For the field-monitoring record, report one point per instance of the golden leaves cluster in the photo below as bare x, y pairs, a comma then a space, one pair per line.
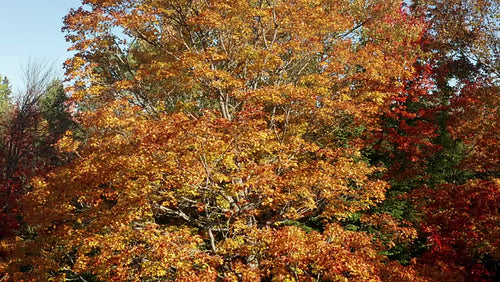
221, 124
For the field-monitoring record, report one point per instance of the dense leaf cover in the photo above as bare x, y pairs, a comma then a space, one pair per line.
280, 140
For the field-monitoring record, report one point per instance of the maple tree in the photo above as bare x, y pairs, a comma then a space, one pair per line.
441, 143
460, 210
216, 129
26, 141
285, 140
463, 35
465, 44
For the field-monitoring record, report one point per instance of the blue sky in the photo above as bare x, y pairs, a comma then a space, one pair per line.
31, 29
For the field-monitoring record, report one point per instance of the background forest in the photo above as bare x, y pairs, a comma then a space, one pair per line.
258, 140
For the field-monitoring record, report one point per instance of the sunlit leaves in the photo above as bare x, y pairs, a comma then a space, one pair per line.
223, 141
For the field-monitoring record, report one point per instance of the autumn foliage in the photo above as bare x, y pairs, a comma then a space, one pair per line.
262, 140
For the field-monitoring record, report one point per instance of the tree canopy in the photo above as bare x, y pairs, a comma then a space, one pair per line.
254, 140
